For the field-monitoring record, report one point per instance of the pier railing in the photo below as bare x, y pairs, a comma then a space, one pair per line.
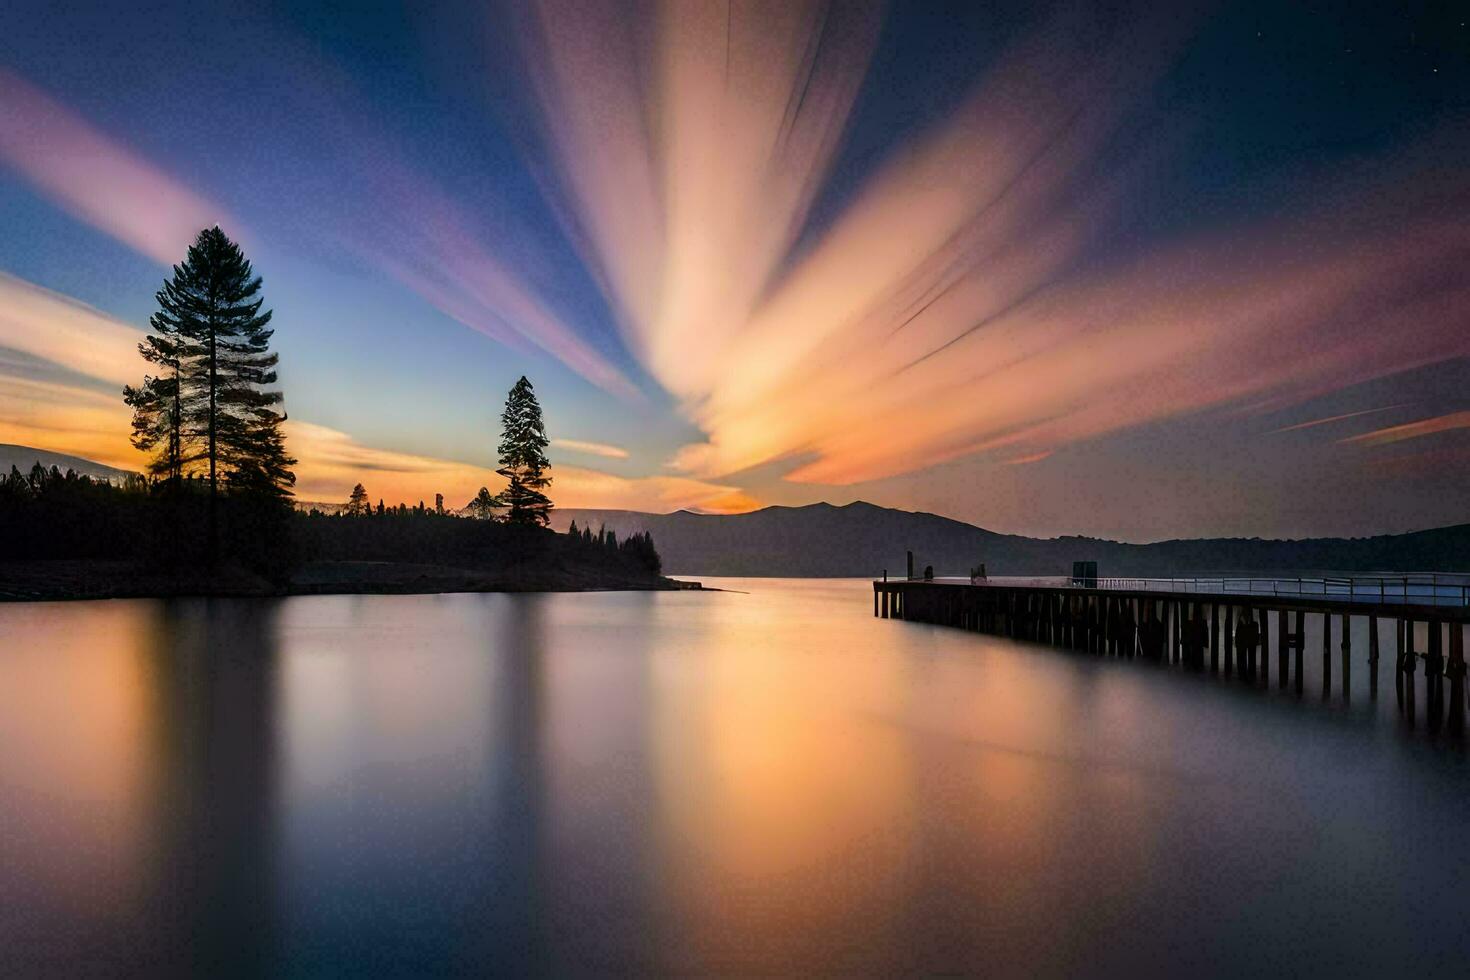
1423, 589
1413, 588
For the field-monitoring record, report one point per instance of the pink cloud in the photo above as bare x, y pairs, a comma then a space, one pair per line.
96, 178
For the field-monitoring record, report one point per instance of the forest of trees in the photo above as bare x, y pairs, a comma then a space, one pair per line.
218, 481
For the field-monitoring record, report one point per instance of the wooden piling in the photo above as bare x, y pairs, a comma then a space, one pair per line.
1281, 647
1347, 649
1214, 637
1372, 656
1410, 662
1434, 676
1455, 675
1263, 638
1300, 646
1229, 640
1326, 654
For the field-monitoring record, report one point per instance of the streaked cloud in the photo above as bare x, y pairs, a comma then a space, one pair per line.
66, 416
687, 144
591, 448
67, 419
1413, 430
1029, 458
413, 231
420, 237
59, 329
1333, 418
955, 306
96, 178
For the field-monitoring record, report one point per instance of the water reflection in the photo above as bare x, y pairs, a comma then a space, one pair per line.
679, 782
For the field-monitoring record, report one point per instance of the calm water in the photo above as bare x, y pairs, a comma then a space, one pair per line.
771, 781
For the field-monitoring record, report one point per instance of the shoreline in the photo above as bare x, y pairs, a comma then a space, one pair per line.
78, 580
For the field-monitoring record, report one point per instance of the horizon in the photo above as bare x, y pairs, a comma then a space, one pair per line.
1128, 276
301, 504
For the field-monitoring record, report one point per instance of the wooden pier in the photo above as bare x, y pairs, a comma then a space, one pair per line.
1224, 632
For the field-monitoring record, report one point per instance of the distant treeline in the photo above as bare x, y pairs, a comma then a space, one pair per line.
48, 514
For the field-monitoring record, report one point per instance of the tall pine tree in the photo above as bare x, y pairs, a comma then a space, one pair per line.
210, 411
523, 460
212, 333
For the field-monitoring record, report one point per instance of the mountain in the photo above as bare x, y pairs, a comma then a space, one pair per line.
861, 539
24, 457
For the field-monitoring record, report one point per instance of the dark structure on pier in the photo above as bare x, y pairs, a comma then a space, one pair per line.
1221, 631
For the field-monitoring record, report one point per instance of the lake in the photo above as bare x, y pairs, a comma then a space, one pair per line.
759, 781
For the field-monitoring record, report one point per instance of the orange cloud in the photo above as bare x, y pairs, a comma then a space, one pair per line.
1032, 458
67, 419
332, 461
57, 328
1413, 430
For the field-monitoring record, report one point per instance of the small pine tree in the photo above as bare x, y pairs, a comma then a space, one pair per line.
523, 460
357, 502
483, 507
573, 530
439, 503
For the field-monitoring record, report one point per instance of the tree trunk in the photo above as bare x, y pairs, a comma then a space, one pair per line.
213, 482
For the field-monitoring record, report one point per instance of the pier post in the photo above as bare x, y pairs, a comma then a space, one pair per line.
1372, 656
1398, 667
1434, 676
1409, 663
1301, 649
1281, 648
1229, 643
1263, 636
1347, 650
1456, 675
1214, 637
1326, 654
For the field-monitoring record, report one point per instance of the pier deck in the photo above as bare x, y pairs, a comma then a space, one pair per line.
1223, 625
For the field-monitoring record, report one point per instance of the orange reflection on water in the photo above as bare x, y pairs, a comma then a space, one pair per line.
75, 775
781, 817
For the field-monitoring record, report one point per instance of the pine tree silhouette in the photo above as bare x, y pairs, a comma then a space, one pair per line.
523, 459
357, 501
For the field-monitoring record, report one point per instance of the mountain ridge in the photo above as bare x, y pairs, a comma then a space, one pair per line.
864, 539
24, 457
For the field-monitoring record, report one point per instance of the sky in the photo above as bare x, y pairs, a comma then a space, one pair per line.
1051, 269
